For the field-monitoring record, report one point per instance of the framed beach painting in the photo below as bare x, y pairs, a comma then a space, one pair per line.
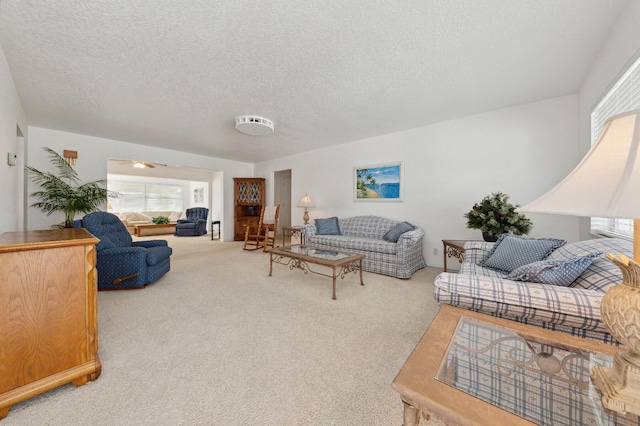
379, 182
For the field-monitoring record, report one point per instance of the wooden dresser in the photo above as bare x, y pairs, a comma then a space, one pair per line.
48, 312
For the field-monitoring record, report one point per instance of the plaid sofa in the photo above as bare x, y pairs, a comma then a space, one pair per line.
574, 309
363, 234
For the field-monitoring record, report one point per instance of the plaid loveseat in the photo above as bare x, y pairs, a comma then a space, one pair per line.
574, 309
363, 234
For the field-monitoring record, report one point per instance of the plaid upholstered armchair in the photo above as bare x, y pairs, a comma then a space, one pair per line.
121, 262
195, 224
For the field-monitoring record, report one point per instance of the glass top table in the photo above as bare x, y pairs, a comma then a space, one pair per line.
471, 368
301, 256
543, 383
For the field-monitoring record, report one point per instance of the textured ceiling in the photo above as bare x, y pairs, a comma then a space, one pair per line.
176, 74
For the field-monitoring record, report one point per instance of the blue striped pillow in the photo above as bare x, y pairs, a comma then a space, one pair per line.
328, 226
560, 272
511, 252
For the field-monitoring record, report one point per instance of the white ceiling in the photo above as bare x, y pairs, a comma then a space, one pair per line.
176, 74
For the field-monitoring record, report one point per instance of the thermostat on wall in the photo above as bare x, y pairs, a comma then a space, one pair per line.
11, 159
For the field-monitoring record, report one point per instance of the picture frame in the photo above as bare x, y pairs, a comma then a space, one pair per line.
198, 195
379, 182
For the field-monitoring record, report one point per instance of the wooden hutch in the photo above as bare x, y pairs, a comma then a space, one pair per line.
248, 198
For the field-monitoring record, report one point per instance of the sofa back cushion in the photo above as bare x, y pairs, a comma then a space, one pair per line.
602, 274
366, 226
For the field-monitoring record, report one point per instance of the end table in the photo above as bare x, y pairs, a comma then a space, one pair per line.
292, 231
453, 248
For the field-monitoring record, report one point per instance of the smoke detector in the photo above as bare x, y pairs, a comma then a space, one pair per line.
254, 125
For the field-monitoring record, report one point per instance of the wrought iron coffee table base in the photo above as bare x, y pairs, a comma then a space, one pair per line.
340, 268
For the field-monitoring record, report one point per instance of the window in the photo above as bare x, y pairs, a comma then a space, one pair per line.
624, 96
140, 196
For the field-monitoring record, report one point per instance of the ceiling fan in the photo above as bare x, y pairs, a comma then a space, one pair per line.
142, 164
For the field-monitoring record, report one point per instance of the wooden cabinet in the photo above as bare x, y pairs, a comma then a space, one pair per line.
248, 198
48, 316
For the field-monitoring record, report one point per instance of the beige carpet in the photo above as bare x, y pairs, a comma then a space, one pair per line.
217, 341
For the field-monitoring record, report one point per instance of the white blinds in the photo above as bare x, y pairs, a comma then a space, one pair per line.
139, 196
624, 96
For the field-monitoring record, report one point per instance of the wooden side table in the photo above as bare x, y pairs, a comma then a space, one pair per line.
425, 394
292, 231
453, 248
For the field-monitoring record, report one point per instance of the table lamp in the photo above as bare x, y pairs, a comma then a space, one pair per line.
606, 183
305, 202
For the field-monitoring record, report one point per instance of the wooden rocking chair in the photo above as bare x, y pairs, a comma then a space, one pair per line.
265, 235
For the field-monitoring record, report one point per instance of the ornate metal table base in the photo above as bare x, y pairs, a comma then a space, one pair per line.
351, 263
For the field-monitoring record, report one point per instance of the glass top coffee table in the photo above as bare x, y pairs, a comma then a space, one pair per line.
471, 368
301, 256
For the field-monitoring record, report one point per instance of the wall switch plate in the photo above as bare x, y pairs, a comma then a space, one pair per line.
11, 159
435, 251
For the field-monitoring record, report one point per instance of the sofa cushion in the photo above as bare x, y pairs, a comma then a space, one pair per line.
512, 251
552, 271
395, 232
328, 226
602, 274
354, 243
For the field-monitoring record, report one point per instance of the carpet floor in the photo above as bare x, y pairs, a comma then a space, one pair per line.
216, 341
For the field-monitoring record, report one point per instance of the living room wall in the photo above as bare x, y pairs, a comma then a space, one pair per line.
12, 121
93, 153
522, 151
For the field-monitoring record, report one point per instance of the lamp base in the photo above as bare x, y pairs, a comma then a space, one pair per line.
306, 216
620, 309
618, 385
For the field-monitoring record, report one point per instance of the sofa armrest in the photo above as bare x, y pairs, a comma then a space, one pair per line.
475, 251
308, 230
545, 297
149, 243
411, 237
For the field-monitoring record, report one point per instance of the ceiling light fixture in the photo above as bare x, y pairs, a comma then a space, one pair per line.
254, 125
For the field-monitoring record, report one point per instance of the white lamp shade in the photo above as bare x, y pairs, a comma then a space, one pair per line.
305, 202
606, 183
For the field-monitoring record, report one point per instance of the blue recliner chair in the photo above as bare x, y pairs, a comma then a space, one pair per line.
121, 262
194, 225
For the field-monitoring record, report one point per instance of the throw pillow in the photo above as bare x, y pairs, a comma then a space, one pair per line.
328, 226
512, 251
394, 233
560, 272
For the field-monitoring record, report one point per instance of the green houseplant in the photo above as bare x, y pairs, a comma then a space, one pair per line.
495, 215
160, 220
62, 192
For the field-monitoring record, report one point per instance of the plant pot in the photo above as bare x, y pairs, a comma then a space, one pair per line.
490, 238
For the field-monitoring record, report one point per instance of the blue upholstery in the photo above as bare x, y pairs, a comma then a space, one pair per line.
195, 224
118, 256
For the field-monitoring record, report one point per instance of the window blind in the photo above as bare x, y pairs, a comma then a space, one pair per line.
139, 196
624, 96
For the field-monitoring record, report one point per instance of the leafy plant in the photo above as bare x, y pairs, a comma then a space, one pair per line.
495, 215
160, 220
64, 193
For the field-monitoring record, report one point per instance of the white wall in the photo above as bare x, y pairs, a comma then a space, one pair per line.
93, 153
522, 151
11, 177
621, 49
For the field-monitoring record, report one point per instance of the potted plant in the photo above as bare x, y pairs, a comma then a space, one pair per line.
64, 193
495, 215
160, 220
